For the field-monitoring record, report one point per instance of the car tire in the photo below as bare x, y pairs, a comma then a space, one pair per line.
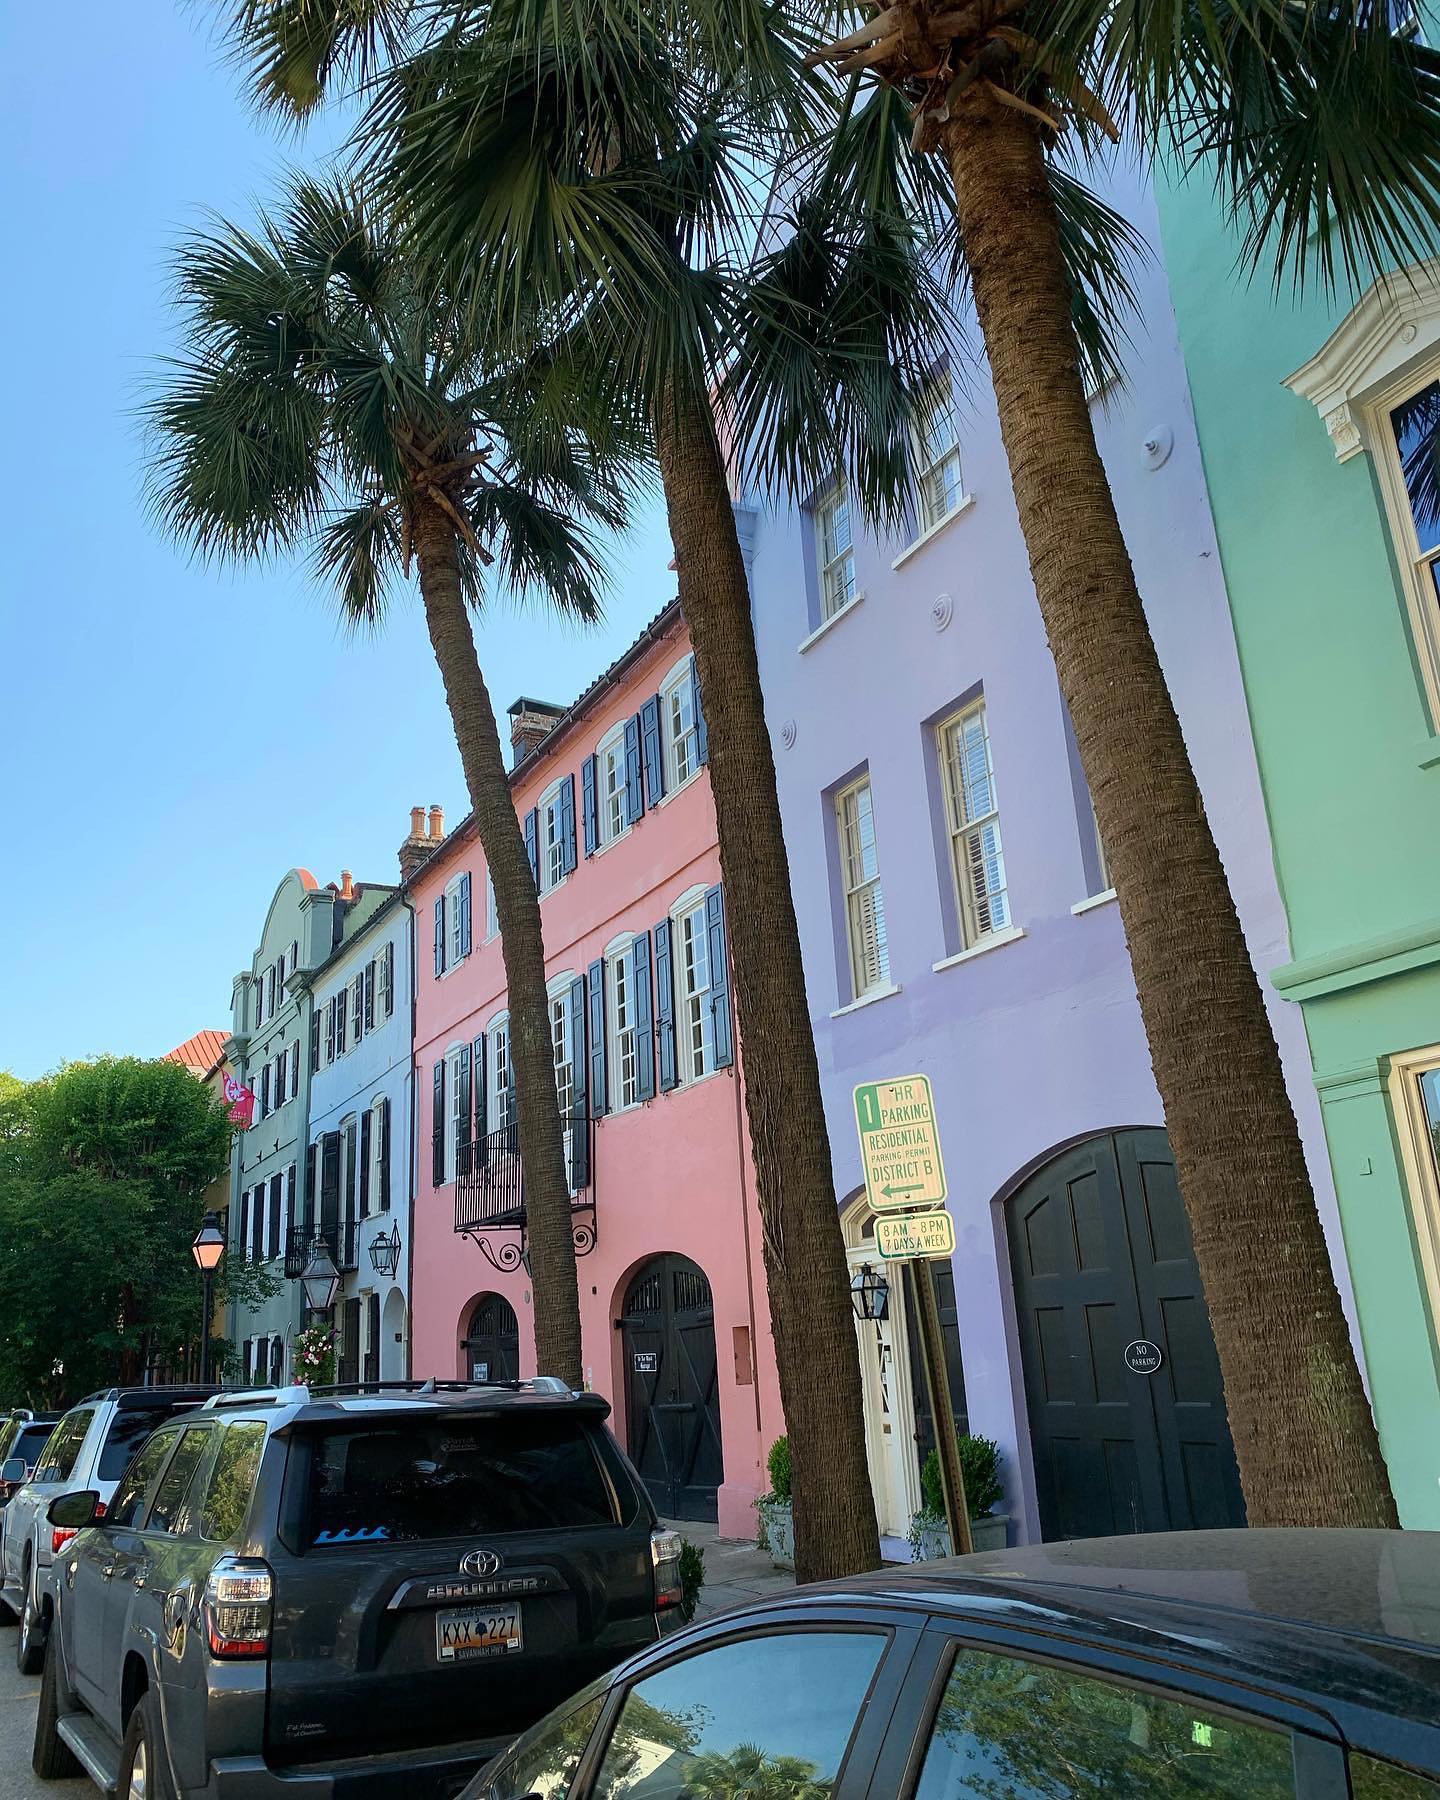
30, 1645
51, 1759
143, 1754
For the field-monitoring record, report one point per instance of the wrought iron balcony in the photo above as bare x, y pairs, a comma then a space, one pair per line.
490, 1192
339, 1240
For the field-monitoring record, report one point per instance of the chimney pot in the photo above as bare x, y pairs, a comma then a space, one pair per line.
417, 846
417, 821
437, 823
347, 886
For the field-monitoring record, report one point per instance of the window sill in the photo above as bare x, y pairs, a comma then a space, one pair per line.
1010, 935
1430, 753
673, 793
963, 504
1102, 899
554, 888
866, 1000
610, 843
828, 624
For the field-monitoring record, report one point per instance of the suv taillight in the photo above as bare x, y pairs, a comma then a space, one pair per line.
237, 1607
665, 1548
60, 1536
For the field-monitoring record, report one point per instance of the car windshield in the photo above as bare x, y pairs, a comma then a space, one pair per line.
437, 1478
128, 1430
31, 1442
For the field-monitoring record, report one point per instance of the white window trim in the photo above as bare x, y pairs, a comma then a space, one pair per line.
497, 1023
1422, 1187
615, 951
691, 901
678, 676
942, 387
868, 999
453, 956
836, 495
452, 1063
996, 941
1103, 898
825, 625
548, 801
613, 739
962, 505
492, 909
376, 1159
881, 988
973, 938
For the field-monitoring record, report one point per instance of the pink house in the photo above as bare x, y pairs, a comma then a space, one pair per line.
615, 798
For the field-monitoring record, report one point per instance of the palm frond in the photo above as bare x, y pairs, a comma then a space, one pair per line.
358, 552
295, 53
539, 550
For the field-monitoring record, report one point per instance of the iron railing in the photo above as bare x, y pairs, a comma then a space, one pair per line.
489, 1188
339, 1240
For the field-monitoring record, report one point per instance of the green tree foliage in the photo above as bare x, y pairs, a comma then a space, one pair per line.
103, 1170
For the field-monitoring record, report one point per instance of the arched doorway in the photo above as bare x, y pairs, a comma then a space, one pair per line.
392, 1337
1102, 1264
672, 1386
491, 1346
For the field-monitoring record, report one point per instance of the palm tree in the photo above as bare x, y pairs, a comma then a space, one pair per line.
1320, 129
628, 179
325, 400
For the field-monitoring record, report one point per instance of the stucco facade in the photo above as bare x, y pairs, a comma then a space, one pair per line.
616, 801
911, 695
358, 1161
1334, 608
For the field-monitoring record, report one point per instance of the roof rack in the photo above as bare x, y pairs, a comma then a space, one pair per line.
261, 1396
535, 1384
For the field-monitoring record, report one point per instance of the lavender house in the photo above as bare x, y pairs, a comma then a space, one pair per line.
957, 921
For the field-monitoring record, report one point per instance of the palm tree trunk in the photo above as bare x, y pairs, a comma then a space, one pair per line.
1304, 1436
542, 1153
834, 1509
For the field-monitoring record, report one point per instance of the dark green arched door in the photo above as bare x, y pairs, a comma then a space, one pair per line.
1122, 1383
492, 1344
672, 1390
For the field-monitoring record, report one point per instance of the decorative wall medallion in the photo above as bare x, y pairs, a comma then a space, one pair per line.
942, 611
788, 734
1155, 451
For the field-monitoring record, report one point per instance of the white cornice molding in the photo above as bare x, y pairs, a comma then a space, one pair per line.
1395, 320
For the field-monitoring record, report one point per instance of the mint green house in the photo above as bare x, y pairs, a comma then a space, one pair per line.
1316, 421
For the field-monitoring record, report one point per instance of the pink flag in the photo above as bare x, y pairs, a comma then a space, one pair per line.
242, 1102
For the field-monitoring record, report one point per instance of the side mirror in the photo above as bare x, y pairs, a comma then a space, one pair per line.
74, 1511
13, 1471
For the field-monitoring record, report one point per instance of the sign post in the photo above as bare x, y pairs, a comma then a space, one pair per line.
900, 1150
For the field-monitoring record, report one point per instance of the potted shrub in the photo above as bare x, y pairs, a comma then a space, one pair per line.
929, 1535
776, 1531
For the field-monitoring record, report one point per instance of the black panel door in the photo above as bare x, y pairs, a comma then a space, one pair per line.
1101, 1258
492, 1350
672, 1387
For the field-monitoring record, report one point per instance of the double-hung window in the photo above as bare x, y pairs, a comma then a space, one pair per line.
459, 1109
610, 758
502, 1092
937, 453
679, 725
834, 551
492, 911
973, 814
357, 1008
1412, 443
1415, 1100
563, 1054
624, 1054
552, 839
454, 924
864, 899
694, 1027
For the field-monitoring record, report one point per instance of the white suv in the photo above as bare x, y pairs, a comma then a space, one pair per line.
89, 1448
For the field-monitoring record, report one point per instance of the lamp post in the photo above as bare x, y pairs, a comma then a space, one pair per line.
208, 1248
869, 1294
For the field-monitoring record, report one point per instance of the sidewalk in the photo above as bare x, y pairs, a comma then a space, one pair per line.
735, 1573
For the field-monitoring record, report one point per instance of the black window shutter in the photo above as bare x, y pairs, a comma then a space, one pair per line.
722, 1030
312, 1156
665, 1006
289, 1200
265, 1091
340, 1000
644, 1025
590, 803
580, 1111
596, 1001
277, 1208
257, 1223
295, 1068
440, 936
314, 1041
370, 996
294, 955
389, 979
464, 1101
372, 1338
357, 1007
385, 1154
702, 736
330, 1185
437, 1125
532, 845
352, 1162
244, 1223
365, 1164
634, 787
480, 1152
330, 1029
653, 748
567, 822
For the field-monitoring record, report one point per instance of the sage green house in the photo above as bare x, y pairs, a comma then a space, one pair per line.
1319, 423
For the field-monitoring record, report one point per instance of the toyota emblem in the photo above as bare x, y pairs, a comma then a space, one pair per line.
480, 1562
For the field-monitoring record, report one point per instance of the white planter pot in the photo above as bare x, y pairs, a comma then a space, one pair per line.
779, 1525
934, 1542
985, 1534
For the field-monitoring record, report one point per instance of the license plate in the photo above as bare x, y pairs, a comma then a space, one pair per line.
468, 1633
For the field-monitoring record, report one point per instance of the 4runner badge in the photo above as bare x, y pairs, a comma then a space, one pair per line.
480, 1562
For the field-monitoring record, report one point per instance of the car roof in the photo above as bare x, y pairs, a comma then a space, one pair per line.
297, 1405
140, 1398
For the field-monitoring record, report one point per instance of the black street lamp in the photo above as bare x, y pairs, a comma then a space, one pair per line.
870, 1294
320, 1279
208, 1249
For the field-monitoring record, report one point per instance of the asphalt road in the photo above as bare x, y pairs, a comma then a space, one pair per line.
18, 1694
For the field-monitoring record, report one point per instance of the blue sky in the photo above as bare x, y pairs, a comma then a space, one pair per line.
173, 738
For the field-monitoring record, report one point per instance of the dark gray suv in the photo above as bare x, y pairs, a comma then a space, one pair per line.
346, 1591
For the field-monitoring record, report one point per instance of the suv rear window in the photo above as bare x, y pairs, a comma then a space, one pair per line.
442, 1478
30, 1442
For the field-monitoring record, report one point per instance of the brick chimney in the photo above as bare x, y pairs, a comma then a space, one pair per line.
437, 825
417, 846
530, 722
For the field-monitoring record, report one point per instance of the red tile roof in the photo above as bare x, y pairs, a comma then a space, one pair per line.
200, 1052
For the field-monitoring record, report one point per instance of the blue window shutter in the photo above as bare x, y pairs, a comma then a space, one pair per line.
644, 1020
532, 845
567, 822
634, 789
665, 1007
437, 1125
580, 1115
653, 749
702, 736
463, 1102
596, 1001
590, 802
440, 936
465, 913
723, 1030
480, 1155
